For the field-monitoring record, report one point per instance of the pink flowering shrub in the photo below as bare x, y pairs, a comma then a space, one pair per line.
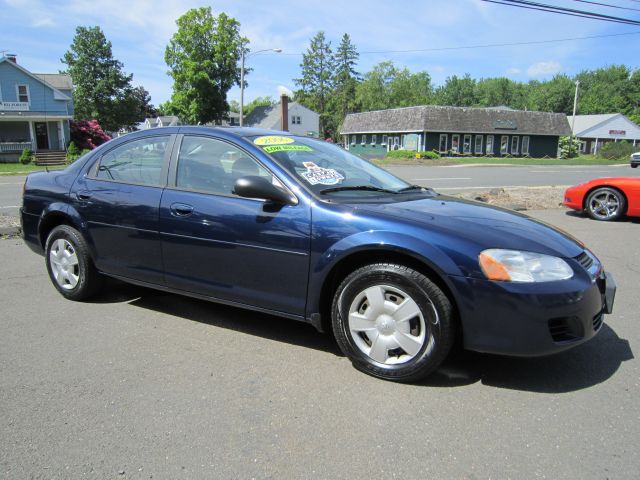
88, 134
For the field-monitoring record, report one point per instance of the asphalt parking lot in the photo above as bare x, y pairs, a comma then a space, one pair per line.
143, 384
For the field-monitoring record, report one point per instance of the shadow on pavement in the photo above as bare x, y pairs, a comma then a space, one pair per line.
582, 367
625, 219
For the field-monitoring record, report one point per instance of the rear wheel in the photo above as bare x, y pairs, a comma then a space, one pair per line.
605, 204
69, 265
392, 322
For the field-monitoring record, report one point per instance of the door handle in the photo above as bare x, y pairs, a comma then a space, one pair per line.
83, 195
181, 209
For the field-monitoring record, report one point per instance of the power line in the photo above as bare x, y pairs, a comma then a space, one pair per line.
608, 5
488, 45
563, 11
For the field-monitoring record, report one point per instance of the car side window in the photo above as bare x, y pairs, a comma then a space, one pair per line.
139, 161
213, 166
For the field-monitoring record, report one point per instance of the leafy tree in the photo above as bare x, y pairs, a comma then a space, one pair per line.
316, 82
555, 95
88, 134
266, 101
373, 93
102, 90
457, 92
203, 58
409, 89
493, 92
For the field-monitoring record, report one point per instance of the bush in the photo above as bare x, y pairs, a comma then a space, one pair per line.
567, 150
88, 134
26, 157
616, 150
431, 155
401, 154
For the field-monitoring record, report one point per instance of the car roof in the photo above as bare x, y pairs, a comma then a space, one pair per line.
235, 131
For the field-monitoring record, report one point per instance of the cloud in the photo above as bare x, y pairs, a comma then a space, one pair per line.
513, 71
542, 69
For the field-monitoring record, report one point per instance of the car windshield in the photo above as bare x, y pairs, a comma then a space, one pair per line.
329, 170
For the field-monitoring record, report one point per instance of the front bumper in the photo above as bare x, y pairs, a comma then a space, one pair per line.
533, 319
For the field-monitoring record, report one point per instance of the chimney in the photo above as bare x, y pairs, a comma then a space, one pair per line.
11, 57
284, 112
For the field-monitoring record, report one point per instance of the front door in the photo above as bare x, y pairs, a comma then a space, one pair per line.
223, 246
42, 136
119, 201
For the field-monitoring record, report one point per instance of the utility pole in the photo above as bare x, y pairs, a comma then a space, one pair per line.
573, 119
242, 57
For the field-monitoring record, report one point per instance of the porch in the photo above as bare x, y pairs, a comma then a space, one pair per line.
38, 135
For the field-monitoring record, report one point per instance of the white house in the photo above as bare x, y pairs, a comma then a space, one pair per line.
594, 130
288, 116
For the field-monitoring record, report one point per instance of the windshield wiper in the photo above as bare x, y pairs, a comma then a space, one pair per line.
367, 188
410, 188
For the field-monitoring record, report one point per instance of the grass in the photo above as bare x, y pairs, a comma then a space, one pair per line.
20, 169
581, 160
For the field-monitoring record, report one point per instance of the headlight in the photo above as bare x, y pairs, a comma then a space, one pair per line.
517, 266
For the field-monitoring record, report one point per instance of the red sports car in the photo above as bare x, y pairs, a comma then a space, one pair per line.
606, 198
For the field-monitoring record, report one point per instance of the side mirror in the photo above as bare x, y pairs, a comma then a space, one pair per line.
252, 186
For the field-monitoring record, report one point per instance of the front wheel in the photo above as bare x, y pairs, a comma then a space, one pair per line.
69, 265
392, 322
605, 204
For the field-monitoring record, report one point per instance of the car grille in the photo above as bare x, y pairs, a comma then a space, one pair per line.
597, 322
565, 329
585, 260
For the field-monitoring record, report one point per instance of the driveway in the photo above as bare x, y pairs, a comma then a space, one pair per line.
144, 384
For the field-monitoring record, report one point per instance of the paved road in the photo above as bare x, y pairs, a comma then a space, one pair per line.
10, 194
155, 385
456, 179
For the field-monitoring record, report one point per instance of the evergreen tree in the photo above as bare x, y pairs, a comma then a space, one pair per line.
345, 80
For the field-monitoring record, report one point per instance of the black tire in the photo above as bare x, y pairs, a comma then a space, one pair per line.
76, 281
605, 204
634, 165
397, 282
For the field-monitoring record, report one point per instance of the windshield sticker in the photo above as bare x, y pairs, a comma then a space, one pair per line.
318, 175
273, 140
287, 148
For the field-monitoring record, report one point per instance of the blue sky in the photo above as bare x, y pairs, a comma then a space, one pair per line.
40, 31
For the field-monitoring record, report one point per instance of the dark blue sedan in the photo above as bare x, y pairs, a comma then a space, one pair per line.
300, 228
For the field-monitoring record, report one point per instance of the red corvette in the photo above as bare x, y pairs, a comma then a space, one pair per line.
606, 198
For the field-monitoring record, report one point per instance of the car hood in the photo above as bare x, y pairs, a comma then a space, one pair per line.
484, 225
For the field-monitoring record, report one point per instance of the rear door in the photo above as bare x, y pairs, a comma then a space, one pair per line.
217, 244
119, 199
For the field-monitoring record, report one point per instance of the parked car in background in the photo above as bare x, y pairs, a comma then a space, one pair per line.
606, 198
300, 228
635, 159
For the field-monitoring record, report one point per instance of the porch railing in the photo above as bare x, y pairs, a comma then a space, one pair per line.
13, 147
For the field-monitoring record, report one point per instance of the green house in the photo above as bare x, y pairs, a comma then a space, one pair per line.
455, 131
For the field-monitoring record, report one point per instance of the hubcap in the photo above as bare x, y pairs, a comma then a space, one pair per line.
604, 205
64, 264
387, 325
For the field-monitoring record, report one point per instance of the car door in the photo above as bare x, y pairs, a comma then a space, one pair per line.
119, 199
235, 249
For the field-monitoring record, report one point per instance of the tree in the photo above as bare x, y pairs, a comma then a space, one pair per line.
102, 90
203, 58
266, 101
457, 92
555, 95
316, 82
87, 135
345, 80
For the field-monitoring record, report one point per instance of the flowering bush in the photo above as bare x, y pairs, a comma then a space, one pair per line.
88, 134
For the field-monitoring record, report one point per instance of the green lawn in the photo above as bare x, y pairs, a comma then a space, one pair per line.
20, 169
581, 160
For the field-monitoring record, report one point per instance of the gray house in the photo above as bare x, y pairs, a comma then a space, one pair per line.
497, 131
594, 130
288, 116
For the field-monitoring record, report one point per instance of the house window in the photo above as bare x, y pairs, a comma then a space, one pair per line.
384, 140
444, 139
489, 144
353, 139
455, 143
525, 146
296, 120
364, 140
514, 144
504, 145
467, 144
374, 139
23, 93
478, 148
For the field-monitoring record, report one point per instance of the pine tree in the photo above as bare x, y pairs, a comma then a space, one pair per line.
345, 79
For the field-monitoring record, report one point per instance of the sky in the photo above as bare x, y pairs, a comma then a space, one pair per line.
39, 32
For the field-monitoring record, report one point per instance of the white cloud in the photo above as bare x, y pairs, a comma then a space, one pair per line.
541, 69
282, 90
513, 71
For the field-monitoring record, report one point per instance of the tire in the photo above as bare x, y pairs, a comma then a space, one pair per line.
70, 267
605, 204
408, 331
634, 165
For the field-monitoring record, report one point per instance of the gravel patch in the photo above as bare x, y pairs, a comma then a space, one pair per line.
9, 226
532, 198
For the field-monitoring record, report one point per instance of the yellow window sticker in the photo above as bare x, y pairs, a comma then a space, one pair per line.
273, 140
287, 148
